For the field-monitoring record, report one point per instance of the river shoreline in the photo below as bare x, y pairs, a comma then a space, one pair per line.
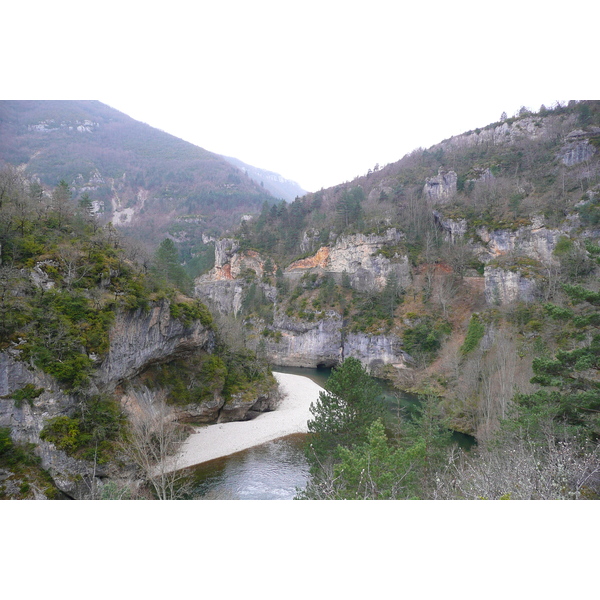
223, 439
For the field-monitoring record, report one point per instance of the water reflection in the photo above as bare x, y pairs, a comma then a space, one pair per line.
272, 471
319, 376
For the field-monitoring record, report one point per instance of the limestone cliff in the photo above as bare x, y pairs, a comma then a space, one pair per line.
577, 147
320, 342
511, 132
139, 340
306, 344
442, 187
503, 286
358, 256
26, 421
535, 241
326, 343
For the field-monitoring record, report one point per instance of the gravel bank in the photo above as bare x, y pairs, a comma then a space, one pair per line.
216, 441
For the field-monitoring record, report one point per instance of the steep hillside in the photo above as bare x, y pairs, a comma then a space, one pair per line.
100, 356
434, 271
279, 187
139, 178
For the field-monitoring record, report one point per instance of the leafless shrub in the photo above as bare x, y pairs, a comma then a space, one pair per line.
153, 443
520, 468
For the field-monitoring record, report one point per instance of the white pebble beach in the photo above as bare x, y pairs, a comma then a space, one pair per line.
222, 439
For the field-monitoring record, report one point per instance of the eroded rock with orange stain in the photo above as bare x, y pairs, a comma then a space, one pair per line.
320, 259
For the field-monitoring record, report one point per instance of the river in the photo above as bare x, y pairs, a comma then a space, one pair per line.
276, 470
272, 471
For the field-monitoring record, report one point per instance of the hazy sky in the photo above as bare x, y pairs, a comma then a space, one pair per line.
318, 91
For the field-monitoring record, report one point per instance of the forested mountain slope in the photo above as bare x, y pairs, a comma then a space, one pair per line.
144, 180
101, 354
439, 271
466, 274
279, 187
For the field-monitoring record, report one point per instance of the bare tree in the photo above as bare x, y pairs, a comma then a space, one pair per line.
459, 255
153, 443
74, 267
518, 468
500, 379
446, 287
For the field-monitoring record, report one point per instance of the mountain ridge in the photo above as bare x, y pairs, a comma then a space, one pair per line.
136, 176
276, 184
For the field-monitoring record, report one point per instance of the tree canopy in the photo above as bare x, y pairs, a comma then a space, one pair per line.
343, 413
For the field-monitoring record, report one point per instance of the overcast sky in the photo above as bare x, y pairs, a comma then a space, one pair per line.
318, 91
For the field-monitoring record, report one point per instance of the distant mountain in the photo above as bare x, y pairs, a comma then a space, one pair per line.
278, 186
140, 178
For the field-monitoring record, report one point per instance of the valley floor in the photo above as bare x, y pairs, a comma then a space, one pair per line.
222, 439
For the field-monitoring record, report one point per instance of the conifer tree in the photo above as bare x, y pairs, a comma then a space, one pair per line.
570, 379
343, 413
168, 269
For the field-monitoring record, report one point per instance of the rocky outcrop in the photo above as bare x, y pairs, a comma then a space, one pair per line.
511, 132
225, 249
223, 296
454, 229
141, 338
577, 148
325, 343
139, 398
367, 262
319, 261
223, 286
138, 340
503, 286
360, 258
442, 187
244, 407
39, 277
310, 240
75, 478
376, 351
306, 344
534, 241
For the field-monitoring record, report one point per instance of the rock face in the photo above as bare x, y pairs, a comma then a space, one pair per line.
534, 244
73, 477
138, 340
506, 133
244, 408
141, 338
310, 239
321, 342
454, 229
442, 187
223, 287
376, 351
504, 286
305, 344
577, 148
358, 256
534, 241
325, 344
39, 277
224, 296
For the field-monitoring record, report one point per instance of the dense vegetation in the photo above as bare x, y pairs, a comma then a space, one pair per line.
117, 164
545, 448
63, 279
521, 376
